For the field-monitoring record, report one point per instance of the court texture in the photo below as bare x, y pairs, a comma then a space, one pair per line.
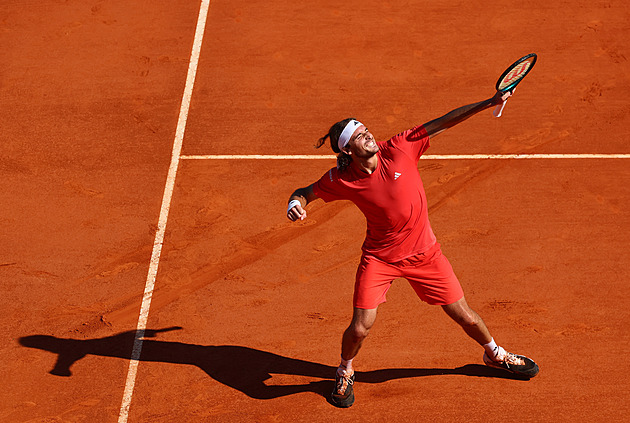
148, 272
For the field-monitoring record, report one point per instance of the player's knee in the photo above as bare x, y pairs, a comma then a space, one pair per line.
358, 332
461, 313
467, 319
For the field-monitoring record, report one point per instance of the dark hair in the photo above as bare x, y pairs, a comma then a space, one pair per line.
343, 160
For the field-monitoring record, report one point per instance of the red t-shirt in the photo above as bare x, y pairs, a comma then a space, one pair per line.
392, 198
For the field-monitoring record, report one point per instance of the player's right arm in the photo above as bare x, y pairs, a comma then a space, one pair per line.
298, 201
460, 114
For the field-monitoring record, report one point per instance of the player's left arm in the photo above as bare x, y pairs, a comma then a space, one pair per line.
298, 201
452, 118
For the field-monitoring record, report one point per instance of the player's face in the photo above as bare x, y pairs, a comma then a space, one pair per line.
362, 143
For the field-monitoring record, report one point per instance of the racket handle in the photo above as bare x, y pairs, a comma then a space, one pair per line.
498, 110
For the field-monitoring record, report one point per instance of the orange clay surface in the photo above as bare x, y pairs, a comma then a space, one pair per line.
249, 308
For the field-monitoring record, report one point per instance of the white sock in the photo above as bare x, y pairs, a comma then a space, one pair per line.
345, 366
492, 349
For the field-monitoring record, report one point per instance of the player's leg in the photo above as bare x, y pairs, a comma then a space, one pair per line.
355, 334
373, 280
469, 320
353, 337
433, 279
494, 356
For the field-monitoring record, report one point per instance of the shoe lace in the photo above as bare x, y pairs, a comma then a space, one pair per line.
512, 359
343, 383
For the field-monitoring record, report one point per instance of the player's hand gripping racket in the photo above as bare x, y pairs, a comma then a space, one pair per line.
512, 76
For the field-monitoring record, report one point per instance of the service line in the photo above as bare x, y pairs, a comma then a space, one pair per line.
425, 157
166, 203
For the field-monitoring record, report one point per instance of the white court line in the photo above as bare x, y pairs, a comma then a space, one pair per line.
166, 203
425, 157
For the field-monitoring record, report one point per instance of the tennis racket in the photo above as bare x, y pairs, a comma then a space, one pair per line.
512, 76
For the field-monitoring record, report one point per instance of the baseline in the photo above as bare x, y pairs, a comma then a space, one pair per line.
425, 157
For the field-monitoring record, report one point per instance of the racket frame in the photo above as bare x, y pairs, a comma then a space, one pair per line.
511, 87
511, 67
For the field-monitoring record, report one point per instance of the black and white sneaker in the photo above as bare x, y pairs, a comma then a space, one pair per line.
343, 394
517, 364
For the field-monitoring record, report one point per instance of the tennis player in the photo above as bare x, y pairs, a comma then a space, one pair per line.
382, 179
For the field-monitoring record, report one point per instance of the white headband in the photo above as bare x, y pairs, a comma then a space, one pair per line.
347, 132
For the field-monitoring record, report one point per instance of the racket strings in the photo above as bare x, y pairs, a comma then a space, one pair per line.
515, 74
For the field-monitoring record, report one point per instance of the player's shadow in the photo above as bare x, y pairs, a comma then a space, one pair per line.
242, 368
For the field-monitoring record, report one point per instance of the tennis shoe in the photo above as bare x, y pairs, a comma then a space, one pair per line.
343, 394
517, 364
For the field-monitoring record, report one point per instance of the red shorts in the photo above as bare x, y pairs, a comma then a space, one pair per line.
429, 273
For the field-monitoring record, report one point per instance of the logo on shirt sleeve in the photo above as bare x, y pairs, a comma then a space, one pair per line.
397, 175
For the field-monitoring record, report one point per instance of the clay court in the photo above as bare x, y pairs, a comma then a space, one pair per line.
243, 309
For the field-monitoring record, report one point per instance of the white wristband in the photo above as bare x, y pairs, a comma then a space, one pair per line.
292, 204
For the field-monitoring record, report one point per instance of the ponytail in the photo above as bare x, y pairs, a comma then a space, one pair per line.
343, 159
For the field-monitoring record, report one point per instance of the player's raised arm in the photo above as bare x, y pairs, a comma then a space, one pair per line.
298, 201
460, 114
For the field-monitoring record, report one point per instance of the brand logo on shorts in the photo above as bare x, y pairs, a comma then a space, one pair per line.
396, 175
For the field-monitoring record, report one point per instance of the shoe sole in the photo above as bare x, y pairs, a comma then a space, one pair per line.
343, 403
